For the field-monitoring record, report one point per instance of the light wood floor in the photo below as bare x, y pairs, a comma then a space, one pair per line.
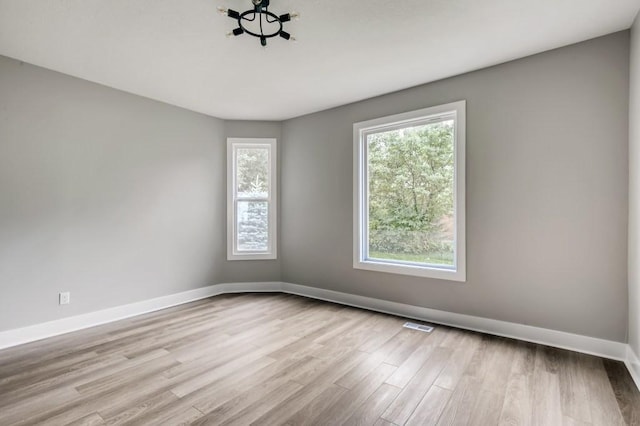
278, 359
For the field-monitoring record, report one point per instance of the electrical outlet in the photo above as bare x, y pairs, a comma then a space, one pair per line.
65, 298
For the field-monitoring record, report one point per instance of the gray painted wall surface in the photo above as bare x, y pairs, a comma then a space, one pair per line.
634, 191
546, 193
117, 198
110, 196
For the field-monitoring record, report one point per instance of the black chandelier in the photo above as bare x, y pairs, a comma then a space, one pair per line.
254, 21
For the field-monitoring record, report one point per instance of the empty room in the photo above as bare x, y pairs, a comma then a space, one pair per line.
287, 212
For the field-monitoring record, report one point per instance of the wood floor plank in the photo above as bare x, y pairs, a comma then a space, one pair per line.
570, 421
271, 359
113, 365
233, 406
30, 407
335, 331
342, 409
128, 415
153, 367
488, 408
524, 359
369, 412
217, 393
46, 371
625, 391
223, 344
334, 368
315, 386
311, 411
383, 422
603, 403
398, 355
92, 419
549, 359
411, 365
281, 413
299, 348
546, 398
178, 413
108, 401
459, 408
202, 378
399, 341
517, 406
402, 407
80, 373
457, 364
430, 408
386, 331
574, 392
263, 405
500, 366
354, 376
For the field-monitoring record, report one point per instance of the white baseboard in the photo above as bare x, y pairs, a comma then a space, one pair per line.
633, 365
558, 339
589, 345
40, 331
252, 287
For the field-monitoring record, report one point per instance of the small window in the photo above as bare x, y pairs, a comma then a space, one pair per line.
409, 199
251, 199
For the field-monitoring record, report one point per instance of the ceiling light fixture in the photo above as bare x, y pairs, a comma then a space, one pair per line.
259, 22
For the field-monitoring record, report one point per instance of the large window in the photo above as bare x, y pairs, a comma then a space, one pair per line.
251, 199
409, 200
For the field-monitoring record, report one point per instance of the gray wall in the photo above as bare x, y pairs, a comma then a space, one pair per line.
110, 196
117, 198
546, 193
634, 192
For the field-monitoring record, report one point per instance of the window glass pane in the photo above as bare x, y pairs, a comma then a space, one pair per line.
252, 226
411, 194
252, 171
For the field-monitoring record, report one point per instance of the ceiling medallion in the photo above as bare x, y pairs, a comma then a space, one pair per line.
259, 22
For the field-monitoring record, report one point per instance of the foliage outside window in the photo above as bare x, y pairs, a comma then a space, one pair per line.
409, 193
251, 212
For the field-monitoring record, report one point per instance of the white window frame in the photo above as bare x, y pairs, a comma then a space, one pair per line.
233, 144
360, 195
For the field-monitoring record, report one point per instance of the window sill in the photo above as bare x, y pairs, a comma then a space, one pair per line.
253, 256
413, 270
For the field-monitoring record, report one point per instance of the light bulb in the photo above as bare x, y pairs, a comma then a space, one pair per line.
289, 16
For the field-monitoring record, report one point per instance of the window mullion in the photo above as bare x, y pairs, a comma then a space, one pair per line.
252, 198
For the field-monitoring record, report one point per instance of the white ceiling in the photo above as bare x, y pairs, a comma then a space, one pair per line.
176, 51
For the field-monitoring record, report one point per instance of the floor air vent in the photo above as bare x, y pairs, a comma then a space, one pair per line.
419, 327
